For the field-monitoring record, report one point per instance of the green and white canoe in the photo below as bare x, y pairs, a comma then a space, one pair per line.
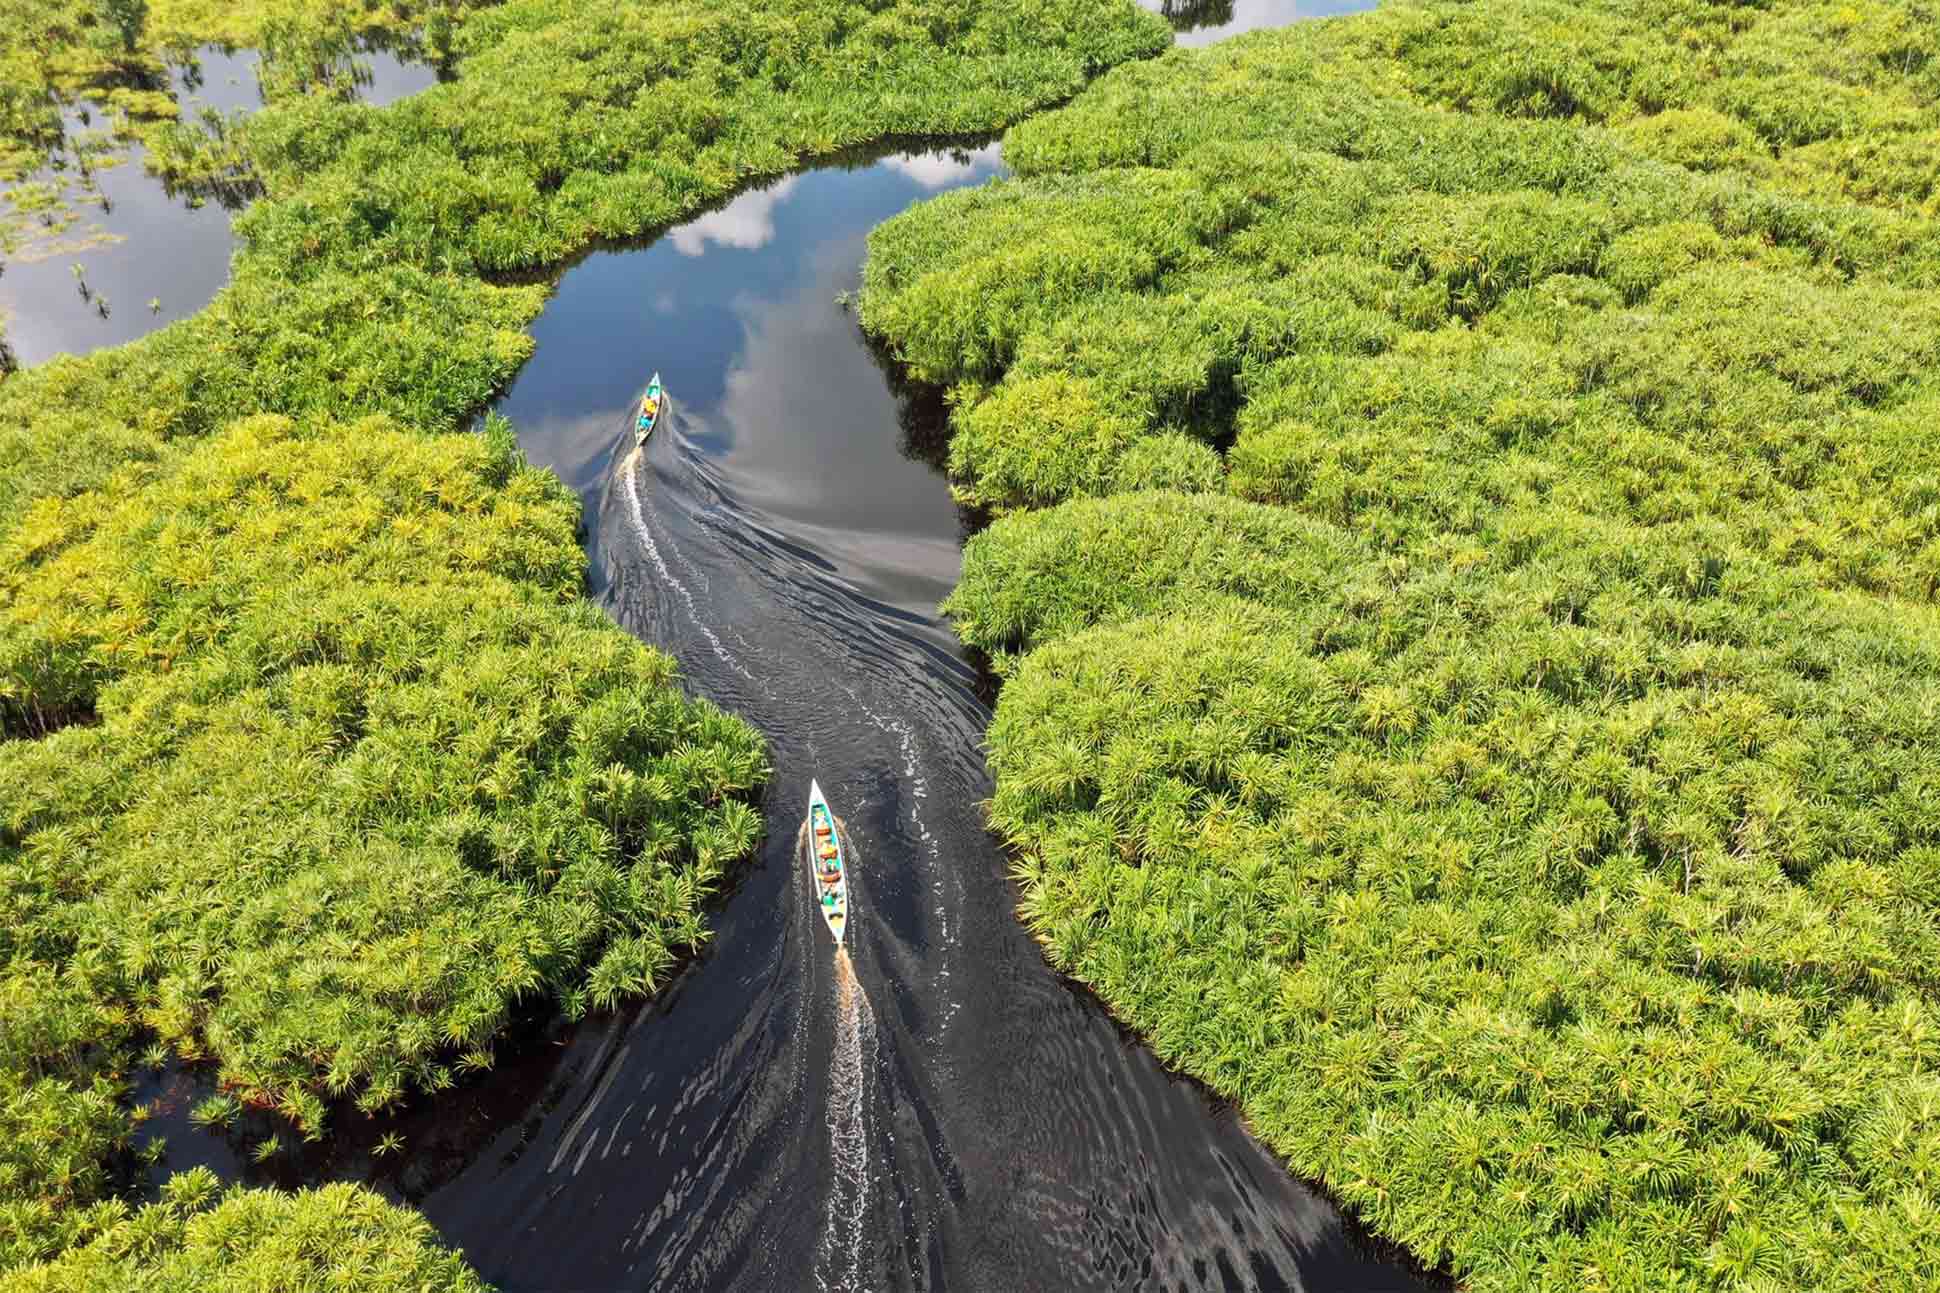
652, 405
828, 870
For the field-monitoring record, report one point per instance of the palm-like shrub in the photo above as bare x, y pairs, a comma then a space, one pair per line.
255, 1241
1518, 797
568, 127
1034, 577
367, 772
1545, 919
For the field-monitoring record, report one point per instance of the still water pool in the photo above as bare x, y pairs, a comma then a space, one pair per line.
149, 256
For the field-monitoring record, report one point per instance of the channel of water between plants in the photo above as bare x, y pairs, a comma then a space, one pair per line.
938, 1109
949, 1113
956, 1116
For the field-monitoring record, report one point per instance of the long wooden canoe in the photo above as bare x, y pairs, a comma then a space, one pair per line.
828, 869
652, 404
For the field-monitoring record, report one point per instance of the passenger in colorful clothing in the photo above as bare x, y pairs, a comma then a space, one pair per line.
828, 868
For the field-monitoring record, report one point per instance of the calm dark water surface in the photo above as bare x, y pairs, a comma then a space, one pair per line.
149, 245
955, 1115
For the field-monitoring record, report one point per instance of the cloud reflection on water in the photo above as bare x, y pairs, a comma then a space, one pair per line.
945, 168
148, 245
747, 222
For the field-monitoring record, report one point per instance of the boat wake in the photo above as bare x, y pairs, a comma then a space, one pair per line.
838, 1267
630, 471
785, 537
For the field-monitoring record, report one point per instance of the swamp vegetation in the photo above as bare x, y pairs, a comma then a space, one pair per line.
1465, 579
313, 761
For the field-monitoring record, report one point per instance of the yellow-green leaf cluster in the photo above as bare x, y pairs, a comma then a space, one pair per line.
313, 762
1516, 791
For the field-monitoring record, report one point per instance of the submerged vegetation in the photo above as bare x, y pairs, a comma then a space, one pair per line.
1466, 584
80, 82
313, 763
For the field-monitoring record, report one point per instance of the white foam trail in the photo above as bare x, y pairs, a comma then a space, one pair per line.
592, 1106
632, 473
839, 1264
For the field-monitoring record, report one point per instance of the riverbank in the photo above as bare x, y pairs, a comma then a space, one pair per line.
315, 760
1466, 604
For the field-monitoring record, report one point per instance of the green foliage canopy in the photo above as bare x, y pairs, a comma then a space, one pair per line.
365, 771
312, 761
1516, 791
255, 1241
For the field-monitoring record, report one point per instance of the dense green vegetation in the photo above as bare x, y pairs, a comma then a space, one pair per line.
312, 762
255, 1240
321, 765
359, 777
1465, 578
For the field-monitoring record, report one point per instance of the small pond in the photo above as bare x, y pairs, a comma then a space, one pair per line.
150, 256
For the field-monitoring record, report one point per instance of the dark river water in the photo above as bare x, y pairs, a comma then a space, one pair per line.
953, 1115
933, 1108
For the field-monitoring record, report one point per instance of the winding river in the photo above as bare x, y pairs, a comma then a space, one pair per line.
936, 1108
947, 1113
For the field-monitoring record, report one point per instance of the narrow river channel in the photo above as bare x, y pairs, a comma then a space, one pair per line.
954, 1115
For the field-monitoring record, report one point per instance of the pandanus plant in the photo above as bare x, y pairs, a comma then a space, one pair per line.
1464, 813
342, 715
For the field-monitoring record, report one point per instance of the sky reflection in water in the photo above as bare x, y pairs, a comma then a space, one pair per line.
738, 312
1206, 21
168, 252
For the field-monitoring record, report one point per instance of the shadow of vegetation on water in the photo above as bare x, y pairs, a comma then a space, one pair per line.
406, 1153
140, 211
923, 416
1189, 15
